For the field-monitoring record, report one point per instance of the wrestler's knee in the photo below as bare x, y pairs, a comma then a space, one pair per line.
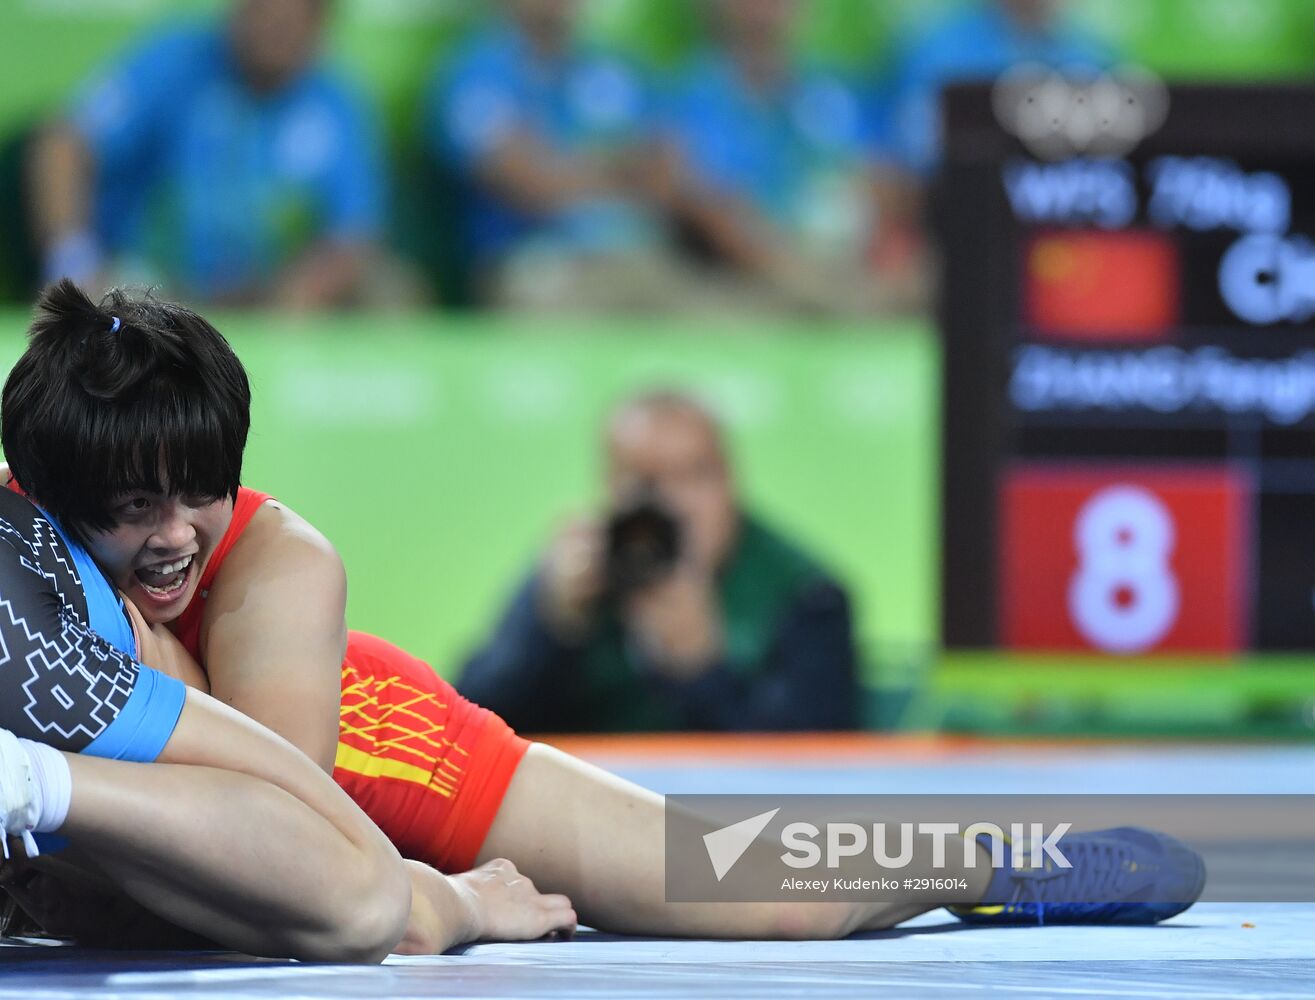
368, 919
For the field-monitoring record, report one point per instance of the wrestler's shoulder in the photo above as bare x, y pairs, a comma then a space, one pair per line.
277, 532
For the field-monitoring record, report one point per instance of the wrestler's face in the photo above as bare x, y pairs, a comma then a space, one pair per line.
159, 548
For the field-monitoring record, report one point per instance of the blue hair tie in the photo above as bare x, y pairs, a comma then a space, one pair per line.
114, 327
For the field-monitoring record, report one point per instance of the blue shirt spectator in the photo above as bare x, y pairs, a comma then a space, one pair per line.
774, 179
767, 146
568, 111
215, 164
975, 44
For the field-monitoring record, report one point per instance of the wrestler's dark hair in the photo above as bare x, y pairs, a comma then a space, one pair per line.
135, 393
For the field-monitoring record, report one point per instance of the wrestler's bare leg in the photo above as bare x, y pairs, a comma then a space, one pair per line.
237, 836
576, 829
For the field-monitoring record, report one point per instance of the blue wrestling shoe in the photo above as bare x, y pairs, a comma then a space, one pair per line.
1125, 875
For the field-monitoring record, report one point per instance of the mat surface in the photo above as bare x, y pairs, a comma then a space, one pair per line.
1212, 950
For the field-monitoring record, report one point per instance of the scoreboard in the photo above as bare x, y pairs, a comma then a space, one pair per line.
1129, 381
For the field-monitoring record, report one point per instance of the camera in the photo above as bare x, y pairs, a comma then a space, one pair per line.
643, 543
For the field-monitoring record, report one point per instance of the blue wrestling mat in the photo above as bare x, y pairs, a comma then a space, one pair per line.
1212, 950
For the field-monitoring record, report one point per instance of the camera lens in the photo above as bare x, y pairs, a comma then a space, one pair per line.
643, 544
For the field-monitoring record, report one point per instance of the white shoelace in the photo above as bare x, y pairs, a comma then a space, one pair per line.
16, 795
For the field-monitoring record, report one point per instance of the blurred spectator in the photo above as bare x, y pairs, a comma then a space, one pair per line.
777, 167
977, 43
218, 160
676, 609
550, 141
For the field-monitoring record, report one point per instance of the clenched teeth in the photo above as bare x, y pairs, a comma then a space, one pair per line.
172, 567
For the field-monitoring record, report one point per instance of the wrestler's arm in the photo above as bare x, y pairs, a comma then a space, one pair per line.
275, 631
273, 643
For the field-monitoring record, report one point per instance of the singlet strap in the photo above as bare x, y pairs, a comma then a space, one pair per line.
244, 509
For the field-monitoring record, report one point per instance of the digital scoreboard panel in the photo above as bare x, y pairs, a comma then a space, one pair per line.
1129, 388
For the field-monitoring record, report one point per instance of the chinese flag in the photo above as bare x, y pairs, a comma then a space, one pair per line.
1119, 286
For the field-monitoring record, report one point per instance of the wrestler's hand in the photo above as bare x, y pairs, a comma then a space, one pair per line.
504, 905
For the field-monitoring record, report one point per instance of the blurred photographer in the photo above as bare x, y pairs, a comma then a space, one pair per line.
675, 609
